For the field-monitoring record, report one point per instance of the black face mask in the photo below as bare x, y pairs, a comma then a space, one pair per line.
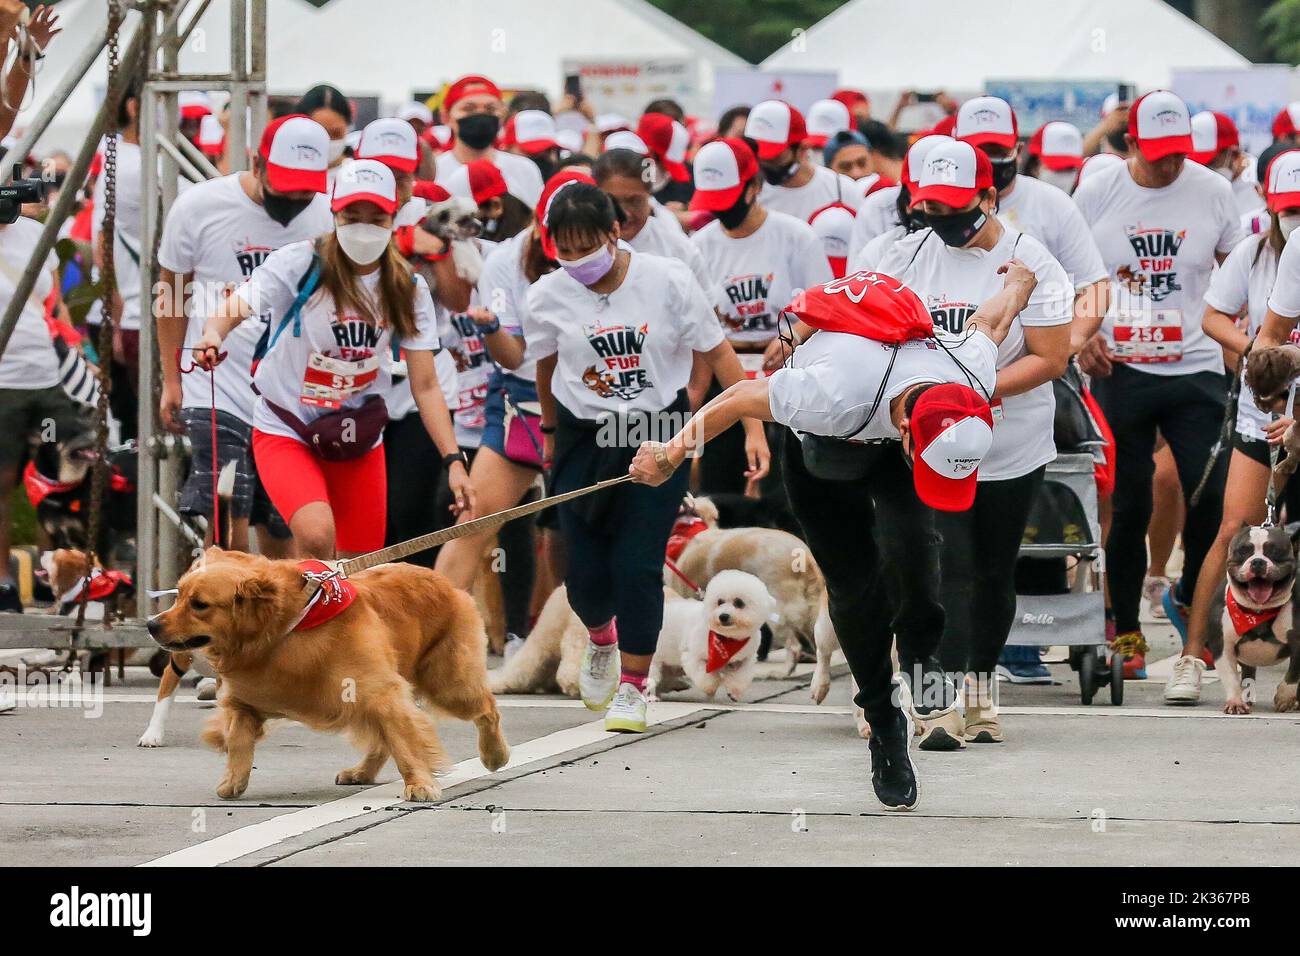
1004, 173
916, 220
281, 208
779, 177
478, 130
732, 217
958, 228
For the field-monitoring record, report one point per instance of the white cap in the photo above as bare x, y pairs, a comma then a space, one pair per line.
392, 142
611, 122
986, 119
570, 140
416, 111
531, 130
365, 180
1205, 133
296, 152
833, 225
716, 167
914, 162
1162, 125
1061, 145
826, 118
774, 125
626, 139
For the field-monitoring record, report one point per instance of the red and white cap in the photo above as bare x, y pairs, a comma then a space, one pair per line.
471, 85
953, 174
365, 180
1096, 163
612, 123
986, 120
439, 136
1160, 123
1287, 122
833, 224
1058, 145
561, 180
916, 153
391, 142
1109, 105
626, 139
570, 141
667, 141
296, 152
416, 111
952, 429
1212, 133
775, 126
1282, 181
193, 104
533, 131
212, 136
722, 168
825, 119
479, 180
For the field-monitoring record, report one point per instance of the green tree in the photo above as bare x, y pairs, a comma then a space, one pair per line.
1281, 26
753, 29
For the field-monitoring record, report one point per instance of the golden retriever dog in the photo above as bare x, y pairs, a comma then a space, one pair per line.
408, 635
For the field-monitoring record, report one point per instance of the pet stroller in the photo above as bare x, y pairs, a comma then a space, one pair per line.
1060, 592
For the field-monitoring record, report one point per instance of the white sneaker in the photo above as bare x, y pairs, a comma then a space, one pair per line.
598, 678
1153, 592
1184, 685
8, 700
626, 712
206, 689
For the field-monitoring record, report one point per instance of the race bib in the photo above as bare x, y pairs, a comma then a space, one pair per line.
1144, 334
752, 363
329, 382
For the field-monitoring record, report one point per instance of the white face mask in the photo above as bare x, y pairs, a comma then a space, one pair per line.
336, 148
1062, 179
1287, 222
363, 242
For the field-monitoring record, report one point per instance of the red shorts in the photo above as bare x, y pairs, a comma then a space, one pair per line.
355, 490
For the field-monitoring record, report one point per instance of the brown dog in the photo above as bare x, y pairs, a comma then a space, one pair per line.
1270, 372
407, 634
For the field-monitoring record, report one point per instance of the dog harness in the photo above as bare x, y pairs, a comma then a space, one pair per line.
685, 527
1243, 620
722, 650
335, 595
39, 487
102, 585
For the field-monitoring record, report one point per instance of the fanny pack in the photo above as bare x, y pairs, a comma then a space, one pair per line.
834, 459
340, 435
523, 427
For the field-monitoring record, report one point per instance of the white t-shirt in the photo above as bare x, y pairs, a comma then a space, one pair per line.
336, 360
877, 214
953, 283
870, 254
1159, 248
503, 291
630, 350
666, 216
831, 382
1041, 210
1242, 283
752, 279
825, 187
399, 399
217, 235
29, 361
659, 238
523, 178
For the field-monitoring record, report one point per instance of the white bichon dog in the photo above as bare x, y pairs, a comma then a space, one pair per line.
713, 642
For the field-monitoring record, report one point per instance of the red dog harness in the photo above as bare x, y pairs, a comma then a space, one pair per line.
101, 586
685, 527
722, 650
1244, 620
335, 596
39, 487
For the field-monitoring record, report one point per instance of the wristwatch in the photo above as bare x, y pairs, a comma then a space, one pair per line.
456, 456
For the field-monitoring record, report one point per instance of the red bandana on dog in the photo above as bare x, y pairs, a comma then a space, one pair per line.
722, 649
1244, 620
684, 528
336, 594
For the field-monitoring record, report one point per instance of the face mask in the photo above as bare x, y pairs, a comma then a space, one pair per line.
336, 148
917, 220
732, 217
281, 208
1062, 179
363, 242
478, 130
778, 177
959, 228
1288, 222
1004, 173
591, 268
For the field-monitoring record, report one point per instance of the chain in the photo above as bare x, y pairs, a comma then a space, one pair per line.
108, 233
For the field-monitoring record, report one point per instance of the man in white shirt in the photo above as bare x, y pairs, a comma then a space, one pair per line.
794, 184
1161, 224
474, 110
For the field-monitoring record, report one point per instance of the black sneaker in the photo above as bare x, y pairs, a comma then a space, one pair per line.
9, 600
930, 688
893, 775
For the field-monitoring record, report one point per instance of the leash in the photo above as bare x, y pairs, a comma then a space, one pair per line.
212, 382
1225, 431
699, 591
1274, 453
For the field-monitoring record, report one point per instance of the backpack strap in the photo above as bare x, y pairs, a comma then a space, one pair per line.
306, 286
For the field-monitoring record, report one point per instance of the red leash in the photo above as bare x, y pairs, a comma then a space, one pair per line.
212, 381
668, 563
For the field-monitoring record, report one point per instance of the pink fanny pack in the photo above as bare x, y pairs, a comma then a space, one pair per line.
523, 429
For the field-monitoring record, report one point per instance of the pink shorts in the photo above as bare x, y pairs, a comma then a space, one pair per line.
355, 490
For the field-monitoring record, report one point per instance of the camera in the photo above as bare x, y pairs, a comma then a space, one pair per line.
21, 191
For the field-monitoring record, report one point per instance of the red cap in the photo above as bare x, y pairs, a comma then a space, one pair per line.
1058, 145
429, 191
850, 98
775, 126
296, 152
952, 429
392, 142
1282, 181
1287, 122
987, 120
667, 141
953, 174
553, 185
365, 180
1212, 133
722, 169
1160, 123
472, 85
945, 126
479, 180
833, 224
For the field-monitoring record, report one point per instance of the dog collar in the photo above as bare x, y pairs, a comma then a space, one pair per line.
335, 595
722, 650
1244, 620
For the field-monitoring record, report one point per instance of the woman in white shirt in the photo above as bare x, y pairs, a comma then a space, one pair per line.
615, 333
954, 266
339, 308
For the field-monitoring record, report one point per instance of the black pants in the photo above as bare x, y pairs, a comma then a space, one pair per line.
979, 552
1188, 411
878, 550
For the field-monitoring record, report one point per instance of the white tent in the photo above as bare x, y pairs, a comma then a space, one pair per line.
957, 45
390, 48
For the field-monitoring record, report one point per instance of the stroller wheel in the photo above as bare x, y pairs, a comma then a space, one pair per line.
1117, 679
1087, 675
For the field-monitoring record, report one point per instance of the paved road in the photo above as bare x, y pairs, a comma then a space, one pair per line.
775, 780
